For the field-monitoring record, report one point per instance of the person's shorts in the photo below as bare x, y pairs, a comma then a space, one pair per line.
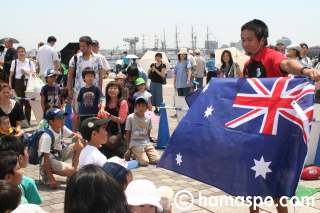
61, 166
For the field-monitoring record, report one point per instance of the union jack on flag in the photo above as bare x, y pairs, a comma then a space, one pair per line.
272, 103
247, 137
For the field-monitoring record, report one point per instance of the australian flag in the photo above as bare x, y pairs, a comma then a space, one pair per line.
247, 137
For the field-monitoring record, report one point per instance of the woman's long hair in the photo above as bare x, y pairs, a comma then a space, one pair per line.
93, 189
230, 59
179, 57
113, 84
298, 54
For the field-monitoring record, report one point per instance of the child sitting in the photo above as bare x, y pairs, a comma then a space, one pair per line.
6, 129
28, 186
93, 130
89, 98
121, 79
10, 169
10, 196
138, 128
44, 123
50, 92
141, 91
52, 160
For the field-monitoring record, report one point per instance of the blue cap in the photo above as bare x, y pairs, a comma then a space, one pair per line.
50, 72
141, 97
55, 113
117, 167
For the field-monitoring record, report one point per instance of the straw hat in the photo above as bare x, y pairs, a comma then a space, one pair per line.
183, 50
120, 75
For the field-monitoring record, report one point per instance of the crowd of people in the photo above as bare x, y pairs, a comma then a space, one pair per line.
111, 132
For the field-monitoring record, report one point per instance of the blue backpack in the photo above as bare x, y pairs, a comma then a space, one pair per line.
33, 145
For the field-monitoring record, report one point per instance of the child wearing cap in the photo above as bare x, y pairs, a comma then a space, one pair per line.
93, 130
50, 92
120, 170
54, 155
121, 79
142, 197
138, 129
89, 98
141, 91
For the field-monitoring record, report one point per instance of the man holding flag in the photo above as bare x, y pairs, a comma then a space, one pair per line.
248, 137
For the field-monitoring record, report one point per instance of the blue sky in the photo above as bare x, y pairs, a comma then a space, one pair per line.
109, 21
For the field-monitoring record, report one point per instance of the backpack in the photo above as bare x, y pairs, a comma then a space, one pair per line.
193, 72
33, 145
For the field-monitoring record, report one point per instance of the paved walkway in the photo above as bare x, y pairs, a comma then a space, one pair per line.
54, 199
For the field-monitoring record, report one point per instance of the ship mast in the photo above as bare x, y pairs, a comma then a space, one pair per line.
192, 36
207, 46
176, 36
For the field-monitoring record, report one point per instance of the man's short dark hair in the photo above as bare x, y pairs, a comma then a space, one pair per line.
86, 39
10, 196
304, 44
1, 48
125, 52
51, 39
41, 44
88, 70
133, 71
213, 55
13, 143
259, 27
8, 161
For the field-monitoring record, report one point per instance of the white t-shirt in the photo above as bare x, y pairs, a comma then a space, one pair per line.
105, 64
91, 155
28, 208
119, 61
192, 60
307, 61
84, 65
46, 56
45, 141
27, 65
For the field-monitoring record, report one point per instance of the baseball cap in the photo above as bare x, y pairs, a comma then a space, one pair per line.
141, 192
95, 42
117, 167
55, 113
294, 46
50, 72
139, 81
141, 98
90, 124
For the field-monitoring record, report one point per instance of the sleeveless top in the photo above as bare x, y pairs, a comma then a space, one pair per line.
113, 125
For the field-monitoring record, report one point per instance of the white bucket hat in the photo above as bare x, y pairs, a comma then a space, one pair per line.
183, 50
141, 192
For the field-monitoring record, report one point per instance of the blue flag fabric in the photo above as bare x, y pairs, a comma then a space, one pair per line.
247, 137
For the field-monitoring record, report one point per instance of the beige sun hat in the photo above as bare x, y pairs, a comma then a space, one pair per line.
197, 51
165, 193
183, 50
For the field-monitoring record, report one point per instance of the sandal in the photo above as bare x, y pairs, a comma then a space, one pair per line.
153, 140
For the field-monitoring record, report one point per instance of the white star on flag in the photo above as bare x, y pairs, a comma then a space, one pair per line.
261, 167
208, 111
179, 159
205, 88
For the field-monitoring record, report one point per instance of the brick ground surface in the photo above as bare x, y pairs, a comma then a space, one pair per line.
54, 198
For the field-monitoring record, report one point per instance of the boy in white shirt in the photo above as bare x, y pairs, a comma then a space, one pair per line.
93, 130
52, 160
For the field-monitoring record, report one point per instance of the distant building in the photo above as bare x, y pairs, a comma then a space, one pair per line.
224, 46
213, 45
315, 49
284, 40
237, 45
